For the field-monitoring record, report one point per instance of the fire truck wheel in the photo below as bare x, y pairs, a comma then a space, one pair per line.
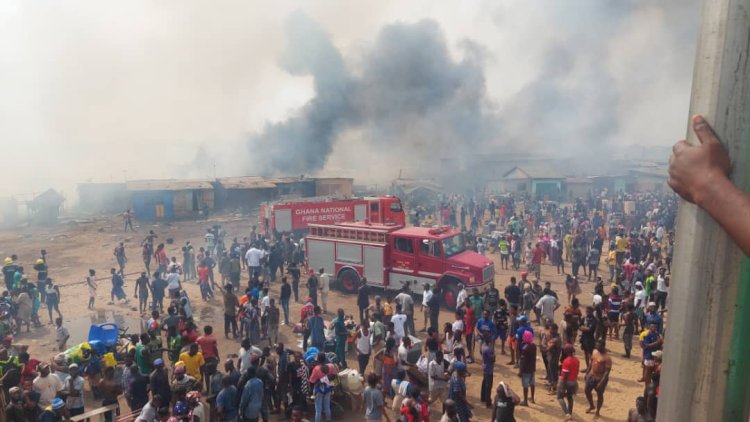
450, 293
349, 280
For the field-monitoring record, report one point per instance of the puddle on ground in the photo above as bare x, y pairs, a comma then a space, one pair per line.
205, 315
79, 327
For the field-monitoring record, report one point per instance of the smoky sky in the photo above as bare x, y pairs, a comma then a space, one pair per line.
408, 94
104, 92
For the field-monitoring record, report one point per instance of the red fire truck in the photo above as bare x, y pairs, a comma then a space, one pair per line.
296, 215
390, 256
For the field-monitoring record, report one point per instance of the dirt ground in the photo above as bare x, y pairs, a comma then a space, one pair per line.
74, 247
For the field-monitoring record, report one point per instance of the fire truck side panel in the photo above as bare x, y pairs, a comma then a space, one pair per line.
320, 254
360, 212
283, 219
348, 253
374, 265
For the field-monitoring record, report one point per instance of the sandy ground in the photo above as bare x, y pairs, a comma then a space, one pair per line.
73, 248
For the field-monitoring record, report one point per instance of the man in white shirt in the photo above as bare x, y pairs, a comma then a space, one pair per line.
265, 303
662, 288
74, 386
639, 301
253, 257
173, 284
426, 297
398, 320
462, 295
364, 347
458, 324
547, 305
47, 385
325, 286
150, 411
438, 379
407, 305
403, 353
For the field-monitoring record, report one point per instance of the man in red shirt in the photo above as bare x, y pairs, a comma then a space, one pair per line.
209, 348
28, 373
469, 323
629, 269
536, 260
568, 385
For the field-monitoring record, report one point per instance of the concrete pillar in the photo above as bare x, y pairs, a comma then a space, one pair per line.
702, 378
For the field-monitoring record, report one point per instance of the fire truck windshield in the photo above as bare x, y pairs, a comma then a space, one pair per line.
454, 245
396, 207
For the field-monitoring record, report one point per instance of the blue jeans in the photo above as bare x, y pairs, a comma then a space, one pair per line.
322, 405
285, 307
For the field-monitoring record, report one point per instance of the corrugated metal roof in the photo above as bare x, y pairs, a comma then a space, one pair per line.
247, 182
290, 179
167, 184
534, 171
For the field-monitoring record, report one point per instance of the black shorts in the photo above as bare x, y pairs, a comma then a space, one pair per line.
592, 383
613, 317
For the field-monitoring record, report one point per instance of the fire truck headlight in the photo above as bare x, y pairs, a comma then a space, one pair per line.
472, 279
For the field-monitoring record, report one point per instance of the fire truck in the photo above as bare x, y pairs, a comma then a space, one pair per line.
296, 215
390, 256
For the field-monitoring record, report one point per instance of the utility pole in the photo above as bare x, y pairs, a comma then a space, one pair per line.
707, 354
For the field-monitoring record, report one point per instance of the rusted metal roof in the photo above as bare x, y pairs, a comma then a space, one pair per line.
247, 182
167, 184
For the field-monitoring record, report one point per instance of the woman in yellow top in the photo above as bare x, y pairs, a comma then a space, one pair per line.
567, 246
387, 310
622, 246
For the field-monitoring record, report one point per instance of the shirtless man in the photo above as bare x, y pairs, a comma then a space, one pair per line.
597, 377
639, 413
109, 389
142, 287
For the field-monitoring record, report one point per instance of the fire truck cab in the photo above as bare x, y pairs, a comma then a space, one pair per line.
390, 256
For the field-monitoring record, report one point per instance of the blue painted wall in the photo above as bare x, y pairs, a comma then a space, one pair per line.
144, 204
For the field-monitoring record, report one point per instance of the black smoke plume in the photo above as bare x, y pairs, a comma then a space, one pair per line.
409, 94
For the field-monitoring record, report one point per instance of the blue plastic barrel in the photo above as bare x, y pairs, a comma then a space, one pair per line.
107, 333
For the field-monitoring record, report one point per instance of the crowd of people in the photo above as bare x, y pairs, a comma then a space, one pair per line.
174, 368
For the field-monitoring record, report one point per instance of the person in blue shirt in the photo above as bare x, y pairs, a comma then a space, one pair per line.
653, 317
341, 335
251, 401
226, 401
486, 326
651, 343
117, 284
316, 328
